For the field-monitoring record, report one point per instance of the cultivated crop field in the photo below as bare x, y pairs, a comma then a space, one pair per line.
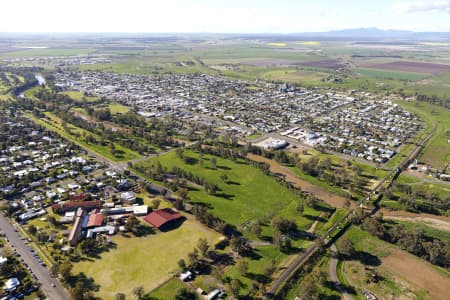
412, 66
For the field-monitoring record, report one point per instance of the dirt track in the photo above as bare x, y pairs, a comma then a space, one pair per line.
439, 222
418, 273
319, 192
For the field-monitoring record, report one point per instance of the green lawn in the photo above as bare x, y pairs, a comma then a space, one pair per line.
117, 108
144, 261
248, 194
54, 123
437, 151
168, 290
79, 96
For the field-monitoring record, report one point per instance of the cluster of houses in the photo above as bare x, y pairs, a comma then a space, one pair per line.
353, 124
60, 61
373, 130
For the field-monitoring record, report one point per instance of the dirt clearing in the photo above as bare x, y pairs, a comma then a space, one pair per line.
418, 273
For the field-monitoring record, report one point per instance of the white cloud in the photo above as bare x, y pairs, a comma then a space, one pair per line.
422, 6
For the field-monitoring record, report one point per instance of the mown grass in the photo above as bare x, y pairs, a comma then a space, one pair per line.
247, 195
117, 108
168, 290
146, 261
80, 97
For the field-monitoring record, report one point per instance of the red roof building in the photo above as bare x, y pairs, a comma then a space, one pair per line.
162, 217
74, 205
95, 220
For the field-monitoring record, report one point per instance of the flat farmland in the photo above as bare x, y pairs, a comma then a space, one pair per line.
391, 74
325, 64
412, 66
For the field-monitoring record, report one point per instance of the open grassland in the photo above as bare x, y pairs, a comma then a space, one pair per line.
440, 189
54, 123
265, 255
80, 97
391, 74
143, 261
247, 195
437, 151
117, 108
294, 75
168, 290
402, 273
45, 52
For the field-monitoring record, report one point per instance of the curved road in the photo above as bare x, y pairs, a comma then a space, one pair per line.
333, 274
50, 286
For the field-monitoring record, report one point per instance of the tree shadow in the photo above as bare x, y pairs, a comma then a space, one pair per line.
143, 230
190, 160
224, 196
338, 288
367, 258
232, 182
257, 277
223, 167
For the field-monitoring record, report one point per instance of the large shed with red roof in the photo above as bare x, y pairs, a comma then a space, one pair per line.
164, 218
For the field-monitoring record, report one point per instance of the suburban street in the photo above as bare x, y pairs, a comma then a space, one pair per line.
50, 286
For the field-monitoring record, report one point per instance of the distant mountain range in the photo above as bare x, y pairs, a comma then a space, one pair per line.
364, 34
375, 33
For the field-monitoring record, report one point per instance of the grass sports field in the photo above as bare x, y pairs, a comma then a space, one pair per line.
143, 261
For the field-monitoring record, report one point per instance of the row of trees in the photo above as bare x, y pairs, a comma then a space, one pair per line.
413, 240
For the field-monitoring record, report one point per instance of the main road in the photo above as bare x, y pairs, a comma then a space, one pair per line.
49, 285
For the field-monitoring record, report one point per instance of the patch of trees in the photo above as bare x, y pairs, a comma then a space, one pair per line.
416, 199
203, 215
413, 240
434, 99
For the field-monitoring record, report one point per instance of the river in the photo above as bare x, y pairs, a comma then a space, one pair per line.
40, 79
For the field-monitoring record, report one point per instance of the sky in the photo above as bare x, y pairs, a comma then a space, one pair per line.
221, 16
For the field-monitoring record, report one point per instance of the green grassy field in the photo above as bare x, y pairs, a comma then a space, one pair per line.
437, 151
55, 124
168, 290
117, 108
393, 284
256, 266
396, 75
79, 96
248, 195
144, 261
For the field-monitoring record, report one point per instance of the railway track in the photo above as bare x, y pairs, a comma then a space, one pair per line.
296, 264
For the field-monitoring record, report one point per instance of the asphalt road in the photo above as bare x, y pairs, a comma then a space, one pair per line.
50, 286
333, 274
